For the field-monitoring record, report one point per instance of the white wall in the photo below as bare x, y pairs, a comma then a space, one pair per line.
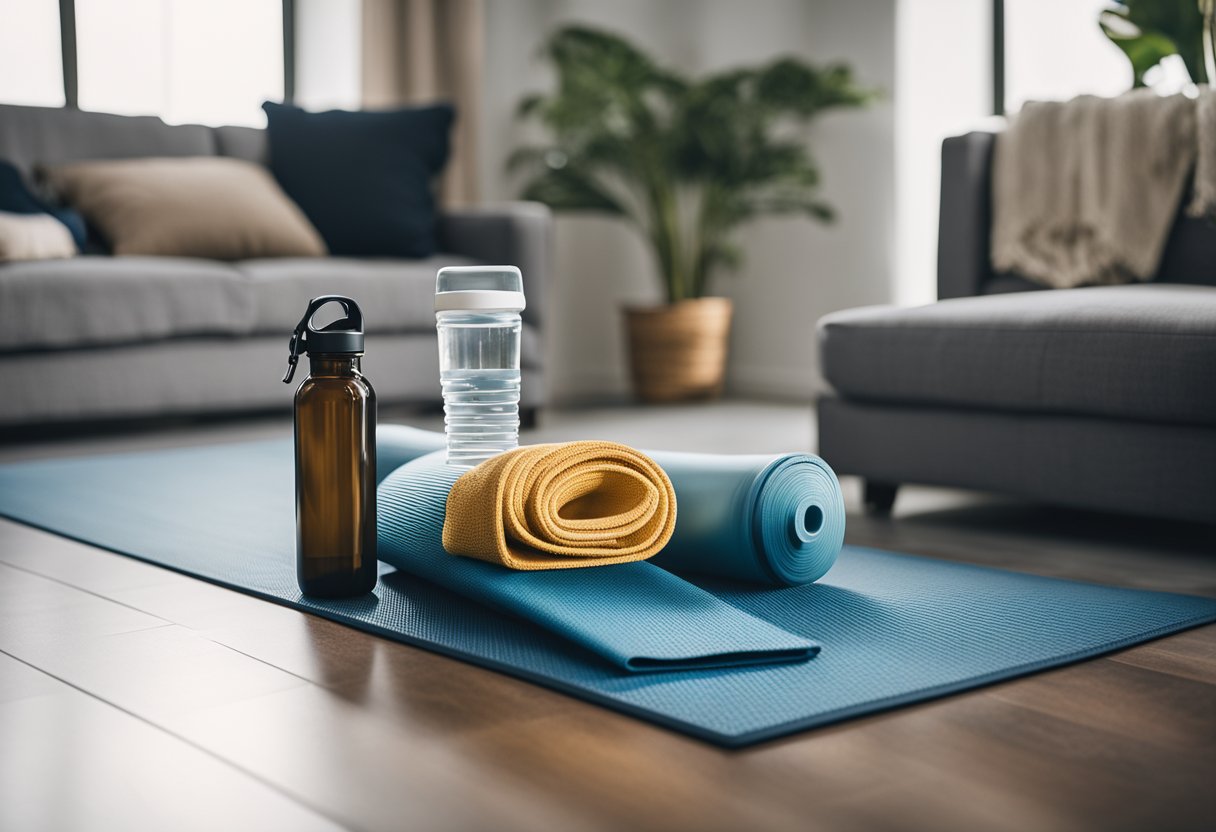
1054, 51
943, 87
795, 271
329, 54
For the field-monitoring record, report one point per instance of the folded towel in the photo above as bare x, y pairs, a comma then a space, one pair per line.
634, 615
1086, 191
561, 506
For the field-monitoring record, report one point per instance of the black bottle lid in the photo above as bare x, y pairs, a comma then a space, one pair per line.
343, 337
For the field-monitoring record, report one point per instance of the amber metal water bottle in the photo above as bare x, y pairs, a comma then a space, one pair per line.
335, 428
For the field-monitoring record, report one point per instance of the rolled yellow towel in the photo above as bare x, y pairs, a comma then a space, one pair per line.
561, 506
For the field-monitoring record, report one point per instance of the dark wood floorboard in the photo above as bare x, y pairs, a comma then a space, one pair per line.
133, 697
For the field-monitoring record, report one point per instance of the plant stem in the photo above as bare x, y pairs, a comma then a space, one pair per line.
666, 237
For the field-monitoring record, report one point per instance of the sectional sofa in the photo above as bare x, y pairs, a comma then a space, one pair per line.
98, 338
1101, 397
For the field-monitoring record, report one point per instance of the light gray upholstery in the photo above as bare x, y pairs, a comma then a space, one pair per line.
91, 301
203, 376
103, 337
32, 136
1146, 351
248, 143
396, 295
1140, 468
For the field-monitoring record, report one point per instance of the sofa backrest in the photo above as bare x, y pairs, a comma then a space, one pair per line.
248, 143
964, 265
52, 135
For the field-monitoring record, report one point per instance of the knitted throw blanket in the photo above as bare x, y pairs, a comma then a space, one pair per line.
1203, 201
1085, 191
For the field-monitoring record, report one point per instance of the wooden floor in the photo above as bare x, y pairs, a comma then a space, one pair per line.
135, 698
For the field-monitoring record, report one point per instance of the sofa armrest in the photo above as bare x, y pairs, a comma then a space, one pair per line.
965, 221
515, 233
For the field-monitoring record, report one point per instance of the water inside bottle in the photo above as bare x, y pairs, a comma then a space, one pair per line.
481, 413
479, 371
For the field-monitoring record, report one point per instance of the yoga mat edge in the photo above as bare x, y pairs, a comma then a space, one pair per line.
731, 741
1065, 606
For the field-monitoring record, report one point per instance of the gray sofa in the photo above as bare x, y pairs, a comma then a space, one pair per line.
99, 338
1100, 397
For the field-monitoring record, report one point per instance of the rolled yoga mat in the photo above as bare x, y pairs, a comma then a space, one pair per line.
635, 615
775, 520
398, 444
768, 519
895, 629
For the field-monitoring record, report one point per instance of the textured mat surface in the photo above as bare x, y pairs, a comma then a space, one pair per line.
895, 629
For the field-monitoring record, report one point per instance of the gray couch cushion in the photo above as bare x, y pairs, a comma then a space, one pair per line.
396, 295
1141, 352
50, 135
204, 375
248, 143
87, 301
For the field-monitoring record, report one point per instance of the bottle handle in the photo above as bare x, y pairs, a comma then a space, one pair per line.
353, 322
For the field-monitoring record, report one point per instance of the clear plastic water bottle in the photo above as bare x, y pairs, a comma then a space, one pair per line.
477, 314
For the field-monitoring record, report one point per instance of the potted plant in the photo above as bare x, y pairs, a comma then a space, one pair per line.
685, 162
1150, 31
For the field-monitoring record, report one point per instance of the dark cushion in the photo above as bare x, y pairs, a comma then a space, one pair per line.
1190, 251
1146, 351
363, 178
16, 198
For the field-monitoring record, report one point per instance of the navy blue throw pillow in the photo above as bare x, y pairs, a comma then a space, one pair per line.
16, 198
363, 178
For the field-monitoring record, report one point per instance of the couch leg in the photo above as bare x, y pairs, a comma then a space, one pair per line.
529, 418
879, 497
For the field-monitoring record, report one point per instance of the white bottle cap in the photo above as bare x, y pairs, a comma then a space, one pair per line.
479, 288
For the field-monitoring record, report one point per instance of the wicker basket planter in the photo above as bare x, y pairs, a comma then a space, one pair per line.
678, 351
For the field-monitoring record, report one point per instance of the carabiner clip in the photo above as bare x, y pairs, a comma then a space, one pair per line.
293, 356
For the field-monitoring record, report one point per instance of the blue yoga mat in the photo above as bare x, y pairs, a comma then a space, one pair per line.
635, 615
894, 629
775, 520
771, 519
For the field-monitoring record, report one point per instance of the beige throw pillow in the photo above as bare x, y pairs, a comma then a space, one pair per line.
194, 206
34, 237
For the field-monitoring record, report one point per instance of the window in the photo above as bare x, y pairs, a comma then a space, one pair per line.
31, 68
211, 62
1055, 50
